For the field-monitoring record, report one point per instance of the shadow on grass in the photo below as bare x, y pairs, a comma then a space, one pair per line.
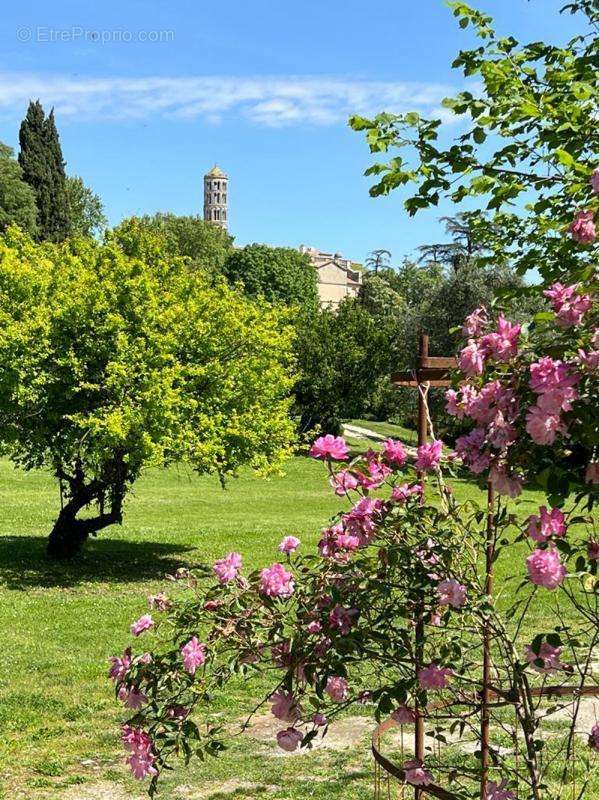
24, 564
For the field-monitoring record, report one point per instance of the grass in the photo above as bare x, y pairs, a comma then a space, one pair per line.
60, 622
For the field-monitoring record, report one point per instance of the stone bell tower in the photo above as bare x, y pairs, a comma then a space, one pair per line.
215, 197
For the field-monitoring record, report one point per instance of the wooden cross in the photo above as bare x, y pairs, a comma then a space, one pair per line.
430, 371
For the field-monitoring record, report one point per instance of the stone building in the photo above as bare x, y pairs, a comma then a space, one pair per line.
337, 276
215, 197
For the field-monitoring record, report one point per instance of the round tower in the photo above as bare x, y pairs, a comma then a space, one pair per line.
215, 197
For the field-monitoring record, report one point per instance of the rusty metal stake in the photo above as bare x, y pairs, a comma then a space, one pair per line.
485, 712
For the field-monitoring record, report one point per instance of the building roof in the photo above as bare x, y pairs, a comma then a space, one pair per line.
215, 172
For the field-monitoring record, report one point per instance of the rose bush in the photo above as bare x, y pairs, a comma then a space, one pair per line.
391, 609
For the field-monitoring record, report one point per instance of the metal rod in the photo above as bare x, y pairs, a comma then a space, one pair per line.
486, 694
419, 634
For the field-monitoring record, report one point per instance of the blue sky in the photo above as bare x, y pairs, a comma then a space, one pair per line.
149, 95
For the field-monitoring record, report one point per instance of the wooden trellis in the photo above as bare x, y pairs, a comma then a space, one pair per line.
434, 371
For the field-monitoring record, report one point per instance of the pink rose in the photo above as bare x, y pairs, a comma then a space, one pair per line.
451, 593
404, 715
329, 446
548, 655
343, 482
144, 623
434, 677
289, 544
402, 493
314, 627
470, 449
363, 518
119, 666
394, 452
569, 306
594, 181
343, 619
582, 229
475, 322
319, 719
227, 568
494, 791
276, 581
194, 655
289, 739
416, 774
594, 737
285, 707
132, 698
429, 456
549, 523
337, 689
159, 601
502, 344
507, 485
545, 568
543, 426
138, 743
472, 359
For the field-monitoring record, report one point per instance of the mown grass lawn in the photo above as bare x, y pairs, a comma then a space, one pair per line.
60, 622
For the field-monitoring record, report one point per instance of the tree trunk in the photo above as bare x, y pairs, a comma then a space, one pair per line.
69, 533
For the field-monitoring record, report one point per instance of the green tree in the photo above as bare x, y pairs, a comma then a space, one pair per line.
529, 148
278, 274
378, 259
42, 163
378, 297
110, 363
340, 356
204, 245
86, 212
17, 200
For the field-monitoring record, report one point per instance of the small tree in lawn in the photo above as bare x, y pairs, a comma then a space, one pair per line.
110, 363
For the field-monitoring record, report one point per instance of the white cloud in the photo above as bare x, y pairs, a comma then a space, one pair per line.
269, 101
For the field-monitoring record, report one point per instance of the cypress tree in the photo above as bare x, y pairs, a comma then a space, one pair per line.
42, 163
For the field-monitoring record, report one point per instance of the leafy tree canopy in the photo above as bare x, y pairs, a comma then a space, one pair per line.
17, 199
86, 212
529, 149
278, 274
204, 245
110, 363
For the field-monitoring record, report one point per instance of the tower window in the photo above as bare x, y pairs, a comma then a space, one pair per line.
224, 198
224, 214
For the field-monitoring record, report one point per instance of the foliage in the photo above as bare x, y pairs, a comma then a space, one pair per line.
204, 245
17, 200
42, 163
392, 609
378, 259
111, 362
340, 354
173, 519
531, 141
278, 274
86, 212
379, 298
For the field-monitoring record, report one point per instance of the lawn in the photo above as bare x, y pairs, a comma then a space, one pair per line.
58, 718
